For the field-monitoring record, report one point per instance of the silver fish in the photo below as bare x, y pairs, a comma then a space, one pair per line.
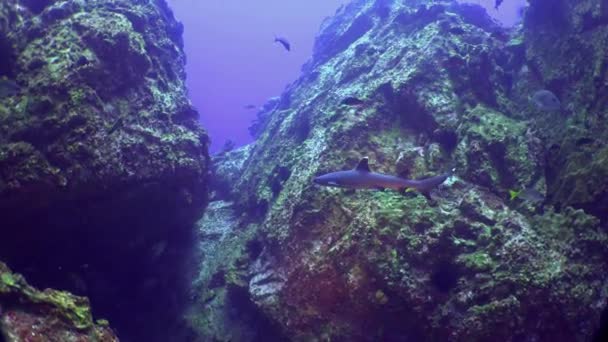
545, 100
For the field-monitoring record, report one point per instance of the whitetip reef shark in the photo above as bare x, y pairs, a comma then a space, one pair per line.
361, 177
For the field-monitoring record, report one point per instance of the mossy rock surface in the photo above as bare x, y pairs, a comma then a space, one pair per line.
28, 314
441, 86
103, 163
101, 104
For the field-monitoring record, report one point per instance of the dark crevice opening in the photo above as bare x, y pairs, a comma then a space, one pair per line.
134, 266
445, 276
7, 57
447, 138
254, 248
244, 310
279, 175
37, 6
601, 334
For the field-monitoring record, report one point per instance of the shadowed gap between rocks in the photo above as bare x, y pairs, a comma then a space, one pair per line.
244, 310
134, 265
37, 6
7, 57
602, 333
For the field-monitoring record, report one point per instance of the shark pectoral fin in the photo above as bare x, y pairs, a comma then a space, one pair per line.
427, 195
431, 202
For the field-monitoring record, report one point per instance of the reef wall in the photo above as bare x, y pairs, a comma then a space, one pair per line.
419, 87
103, 164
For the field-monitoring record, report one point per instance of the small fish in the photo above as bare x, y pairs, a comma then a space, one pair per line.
8, 88
529, 194
284, 42
545, 100
497, 3
352, 101
250, 106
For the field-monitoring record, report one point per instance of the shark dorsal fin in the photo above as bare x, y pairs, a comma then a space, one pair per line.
363, 165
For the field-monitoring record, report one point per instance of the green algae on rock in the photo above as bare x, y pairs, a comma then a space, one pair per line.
82, 66
102, 160
28, 314
443, 86
566, 52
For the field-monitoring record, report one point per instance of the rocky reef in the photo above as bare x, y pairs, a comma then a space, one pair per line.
103, 165
420, 87
27, 314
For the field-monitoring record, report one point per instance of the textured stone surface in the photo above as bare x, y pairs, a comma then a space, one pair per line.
102, 104
441, 86
30, 315
103, 165
565, 53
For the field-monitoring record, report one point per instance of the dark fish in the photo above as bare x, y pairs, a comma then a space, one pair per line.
117, 124
497, 3
545, 100
584, 141
283, 42
250, 106
352, 101
8, 88
529, 194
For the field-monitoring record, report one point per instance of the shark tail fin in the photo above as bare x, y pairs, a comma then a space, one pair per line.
513, 194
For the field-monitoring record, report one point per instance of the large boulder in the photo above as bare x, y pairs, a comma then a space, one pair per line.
103, 165
419, 87
101, 105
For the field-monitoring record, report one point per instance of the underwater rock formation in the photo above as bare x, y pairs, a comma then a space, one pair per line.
103, 164
437, 84
27, 314
566, 52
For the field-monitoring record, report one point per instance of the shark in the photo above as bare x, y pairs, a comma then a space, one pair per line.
362, 177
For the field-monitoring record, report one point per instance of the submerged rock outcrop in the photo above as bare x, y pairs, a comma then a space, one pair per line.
419, 87
103, 164
27, 314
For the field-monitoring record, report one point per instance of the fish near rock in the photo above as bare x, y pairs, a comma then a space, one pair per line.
545, 100
362, 177
530, 195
